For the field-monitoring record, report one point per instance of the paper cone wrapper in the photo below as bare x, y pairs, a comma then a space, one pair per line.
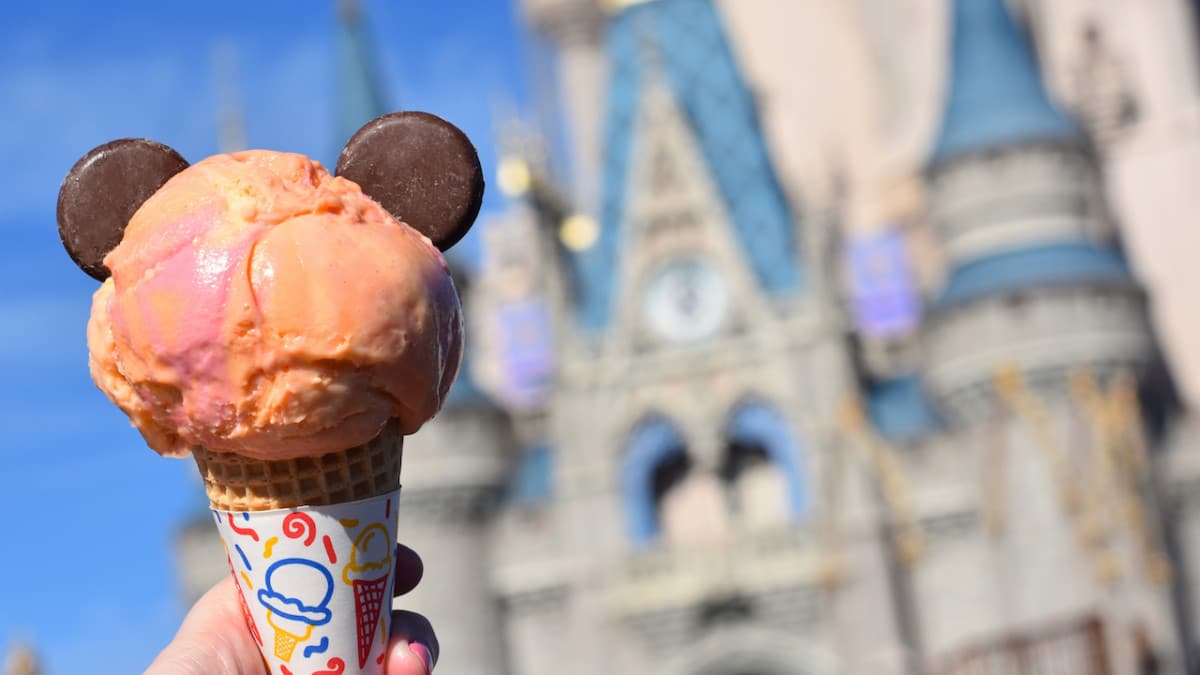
316, 583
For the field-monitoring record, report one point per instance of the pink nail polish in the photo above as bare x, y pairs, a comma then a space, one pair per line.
420, 650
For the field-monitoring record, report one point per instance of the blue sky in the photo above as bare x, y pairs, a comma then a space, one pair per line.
91, 513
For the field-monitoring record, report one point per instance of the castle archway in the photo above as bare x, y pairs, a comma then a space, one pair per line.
763, 466
655, 462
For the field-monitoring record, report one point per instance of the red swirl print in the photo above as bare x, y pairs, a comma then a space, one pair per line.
335, 665
241, 530
299, 525
285, 669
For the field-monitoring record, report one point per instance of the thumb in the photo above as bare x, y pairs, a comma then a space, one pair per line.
213, 639
412, 647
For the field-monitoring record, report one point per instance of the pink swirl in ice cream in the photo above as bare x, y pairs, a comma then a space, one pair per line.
261, 306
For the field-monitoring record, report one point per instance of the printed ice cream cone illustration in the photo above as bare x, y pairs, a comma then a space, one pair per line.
285, 328
368, 571
285, 638
296, 596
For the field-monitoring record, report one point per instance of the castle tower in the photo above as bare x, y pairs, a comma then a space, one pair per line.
454, 466
576, 28
1038, 302
360, 96
1015, 202
525, 286
691, 417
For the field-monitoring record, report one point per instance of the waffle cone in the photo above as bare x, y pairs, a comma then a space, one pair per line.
237, 483
285, 644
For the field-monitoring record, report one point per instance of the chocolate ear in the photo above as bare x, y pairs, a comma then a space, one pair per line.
103, 190
422, 169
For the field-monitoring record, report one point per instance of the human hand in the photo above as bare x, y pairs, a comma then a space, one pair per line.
214, 640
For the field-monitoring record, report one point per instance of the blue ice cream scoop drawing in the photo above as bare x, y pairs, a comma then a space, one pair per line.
296, 594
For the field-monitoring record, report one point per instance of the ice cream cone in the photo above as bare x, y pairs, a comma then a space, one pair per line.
285, 642
310, 543
256, 311
237, 483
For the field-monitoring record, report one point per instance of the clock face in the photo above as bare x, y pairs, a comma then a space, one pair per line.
685, 300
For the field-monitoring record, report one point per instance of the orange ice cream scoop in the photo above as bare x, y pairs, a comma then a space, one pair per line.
261, 306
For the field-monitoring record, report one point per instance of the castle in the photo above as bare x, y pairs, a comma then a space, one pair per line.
822, 345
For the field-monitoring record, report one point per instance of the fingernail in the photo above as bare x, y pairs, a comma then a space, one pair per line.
420, 650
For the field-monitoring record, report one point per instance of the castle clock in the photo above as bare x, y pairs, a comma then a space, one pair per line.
685, 300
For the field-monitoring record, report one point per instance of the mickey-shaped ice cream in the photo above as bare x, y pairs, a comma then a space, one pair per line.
258, 305
285, 326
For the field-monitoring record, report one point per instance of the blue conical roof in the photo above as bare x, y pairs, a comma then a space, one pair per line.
996, 95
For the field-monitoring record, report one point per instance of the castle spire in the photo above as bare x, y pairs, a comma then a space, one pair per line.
1013, 197
360, 95
361, 99
995, 94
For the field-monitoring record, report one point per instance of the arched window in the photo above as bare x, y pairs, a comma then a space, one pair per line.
665, 495
763, 468
670, 473
655, 462
756, 489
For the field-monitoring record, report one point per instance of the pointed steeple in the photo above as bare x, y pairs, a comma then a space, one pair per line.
995, 95
700, 70
1005, 235
360, 96
231, 118
361, 99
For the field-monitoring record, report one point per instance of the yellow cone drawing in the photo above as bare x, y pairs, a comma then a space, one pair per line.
286, 640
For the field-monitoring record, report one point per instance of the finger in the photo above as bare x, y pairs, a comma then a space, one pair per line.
412, 636
409, 569
213, 639
404, 658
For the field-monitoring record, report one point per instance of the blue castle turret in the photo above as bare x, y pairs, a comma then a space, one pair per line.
995, 94
1011, 176
1038, 300
1014, 198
